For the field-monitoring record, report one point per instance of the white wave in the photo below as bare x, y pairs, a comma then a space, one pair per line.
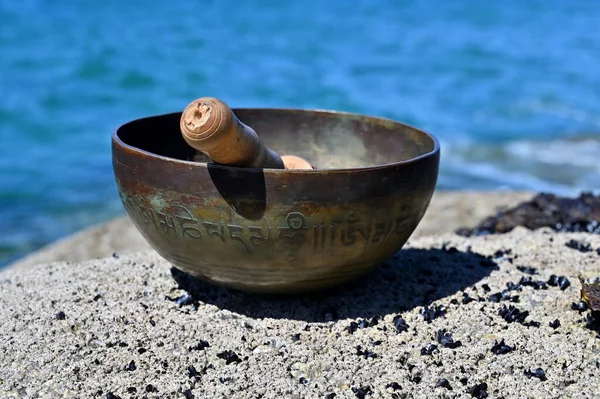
561, 166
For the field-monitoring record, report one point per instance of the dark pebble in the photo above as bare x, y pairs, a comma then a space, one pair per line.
229, 357
502, 296
202, 344
111, 395
467, 299
563, 283
131, 366
400, 324
302, 380
513, 287
443, 383
580, 246
330, 395
115, 255
554, 324
352, 327
361, 392
530, 282
365, 353
394, 385
428, 350
152, 323
479, 391
446, 340
527, 269
512, 314
502, 252
486, 287
188, 394
464, 380
60, 315
192, 372
131, 390
433, 312
537, 373
580, 306
151, 388
296, 337
500, 348
97, 297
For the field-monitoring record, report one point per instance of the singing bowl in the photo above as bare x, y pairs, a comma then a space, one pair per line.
272, 230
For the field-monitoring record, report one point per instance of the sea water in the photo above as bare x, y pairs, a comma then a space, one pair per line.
511, 89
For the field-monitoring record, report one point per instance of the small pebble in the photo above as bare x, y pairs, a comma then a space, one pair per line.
500, 348
428, 351
445, 338
362, 392
512, 314
537, 373
330, 395
131, 366
554, 324
229, 357
151, 388
579, 306
192, 372
443, 383
188, 394
479, 391
432, 313
365, 353
400, 324
393, 385
202, 344
60, 315
111, 395
580, 246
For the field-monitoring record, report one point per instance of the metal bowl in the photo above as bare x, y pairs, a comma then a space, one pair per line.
279, 231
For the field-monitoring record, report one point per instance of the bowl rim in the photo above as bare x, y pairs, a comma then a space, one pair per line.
136, 150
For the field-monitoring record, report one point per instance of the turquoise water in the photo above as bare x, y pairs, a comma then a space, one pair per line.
512, 89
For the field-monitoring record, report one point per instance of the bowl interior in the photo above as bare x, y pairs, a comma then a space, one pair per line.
329, 140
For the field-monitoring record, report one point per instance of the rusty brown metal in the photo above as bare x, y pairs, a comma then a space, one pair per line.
274, 230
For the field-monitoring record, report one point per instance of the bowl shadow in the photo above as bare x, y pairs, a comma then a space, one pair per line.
412, 278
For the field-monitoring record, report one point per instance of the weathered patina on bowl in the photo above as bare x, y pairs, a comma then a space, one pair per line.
279, 231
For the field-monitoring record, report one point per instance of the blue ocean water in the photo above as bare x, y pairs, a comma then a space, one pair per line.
512, 89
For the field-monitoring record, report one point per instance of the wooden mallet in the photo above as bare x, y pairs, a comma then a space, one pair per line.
210, 126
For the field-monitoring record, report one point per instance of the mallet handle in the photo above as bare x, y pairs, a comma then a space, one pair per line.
210, 126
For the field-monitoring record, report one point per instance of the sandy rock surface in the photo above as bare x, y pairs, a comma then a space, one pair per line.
112, 328
447, 212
